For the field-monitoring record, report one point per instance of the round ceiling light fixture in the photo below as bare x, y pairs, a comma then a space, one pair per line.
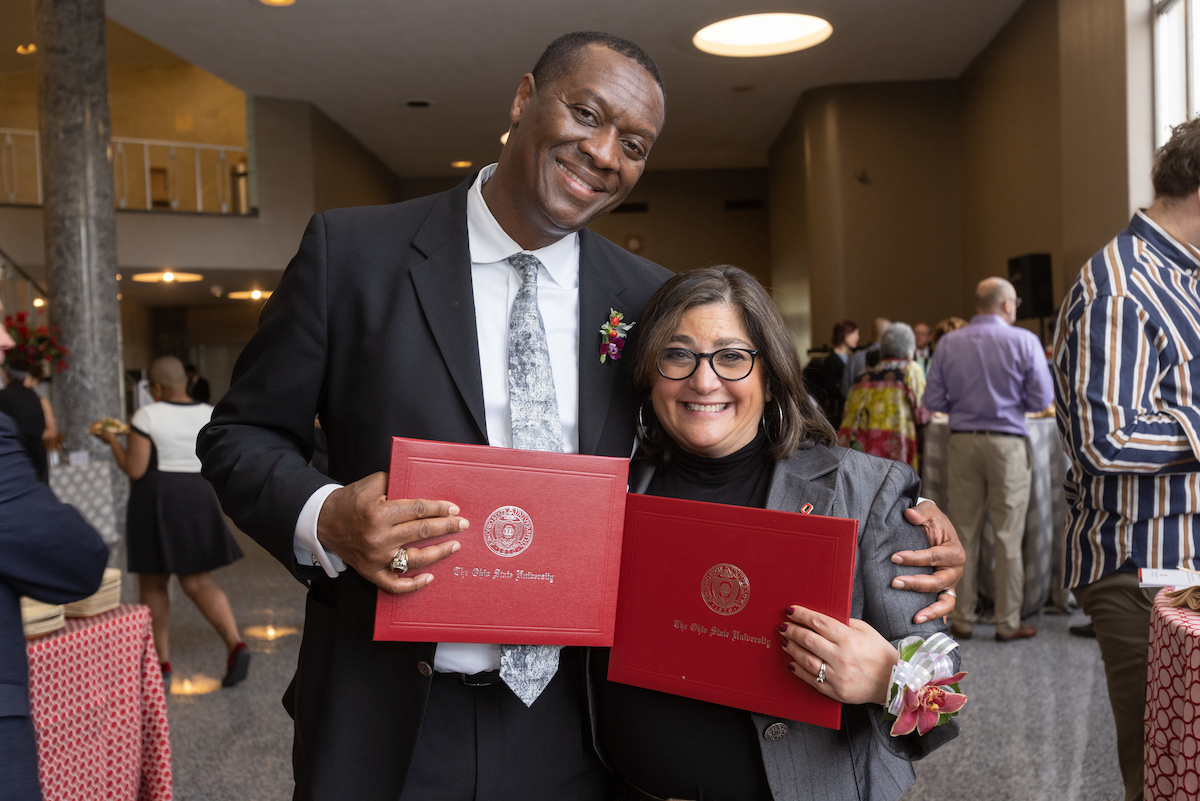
460, 165
168, 276
762, 35
26, 49
249, 294
277, 3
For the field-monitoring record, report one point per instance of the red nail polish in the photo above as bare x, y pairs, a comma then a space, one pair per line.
783, 627
784, 643
791, 610
792, 668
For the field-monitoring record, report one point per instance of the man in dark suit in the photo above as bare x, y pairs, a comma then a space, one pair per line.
397, 321
49, 553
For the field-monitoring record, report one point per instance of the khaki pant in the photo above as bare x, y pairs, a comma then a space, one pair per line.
1120, 611
989, 473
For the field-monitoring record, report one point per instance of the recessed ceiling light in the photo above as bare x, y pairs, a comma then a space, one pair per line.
26, 49
418, 104
504, 138
38, 302
277, 3
249, 294
118, 276
762, 35
460, 165
169, 276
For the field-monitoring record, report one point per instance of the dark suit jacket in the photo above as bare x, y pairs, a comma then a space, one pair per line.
861, 761
48, 552
373, 328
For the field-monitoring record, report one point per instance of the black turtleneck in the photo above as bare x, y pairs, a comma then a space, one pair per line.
668, 745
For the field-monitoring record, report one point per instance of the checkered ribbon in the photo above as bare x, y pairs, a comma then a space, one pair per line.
930, 662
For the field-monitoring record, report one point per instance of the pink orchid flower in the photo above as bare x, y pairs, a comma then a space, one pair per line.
924, 707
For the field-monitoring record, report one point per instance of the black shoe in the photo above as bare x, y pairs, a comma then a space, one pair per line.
238, 665
1086, 630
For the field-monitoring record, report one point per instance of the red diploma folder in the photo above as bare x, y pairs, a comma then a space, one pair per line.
539, 564
703, 589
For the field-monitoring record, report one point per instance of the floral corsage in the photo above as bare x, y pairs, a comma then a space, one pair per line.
924, 692
612, 335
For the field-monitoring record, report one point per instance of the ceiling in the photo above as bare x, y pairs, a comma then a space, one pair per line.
361, 60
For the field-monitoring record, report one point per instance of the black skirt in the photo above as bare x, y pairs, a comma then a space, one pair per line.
174, 525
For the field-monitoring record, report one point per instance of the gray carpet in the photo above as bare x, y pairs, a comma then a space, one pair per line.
1038, 725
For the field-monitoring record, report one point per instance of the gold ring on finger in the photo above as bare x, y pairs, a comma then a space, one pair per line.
400, 561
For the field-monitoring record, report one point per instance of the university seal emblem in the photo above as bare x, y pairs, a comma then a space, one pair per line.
508, 531
725, 589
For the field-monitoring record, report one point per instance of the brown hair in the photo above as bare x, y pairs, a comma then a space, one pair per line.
843, 329
1176, 172
800, 421
946, 326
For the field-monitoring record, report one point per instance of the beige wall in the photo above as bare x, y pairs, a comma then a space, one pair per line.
1012, 148
881, 208
344, 172
687, 224
135, 336
788, 222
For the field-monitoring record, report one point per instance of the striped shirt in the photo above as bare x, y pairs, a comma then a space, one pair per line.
1124, 373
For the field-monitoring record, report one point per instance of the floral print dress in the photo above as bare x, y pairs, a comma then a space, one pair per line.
884, 409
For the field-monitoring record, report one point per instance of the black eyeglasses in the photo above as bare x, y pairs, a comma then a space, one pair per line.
731, 364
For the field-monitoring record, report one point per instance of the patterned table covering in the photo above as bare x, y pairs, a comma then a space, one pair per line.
98, 706
1045, 523
1173, 704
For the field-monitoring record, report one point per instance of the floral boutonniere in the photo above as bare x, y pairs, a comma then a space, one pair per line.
612, 336
924, 692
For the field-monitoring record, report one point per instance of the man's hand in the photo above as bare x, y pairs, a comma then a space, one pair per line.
359, 524
945, 553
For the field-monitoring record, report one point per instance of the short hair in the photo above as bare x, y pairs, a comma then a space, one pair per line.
798, 420
168, 372
946, 326
558, 59
898, 342
1176, 171
990, 293
843, 329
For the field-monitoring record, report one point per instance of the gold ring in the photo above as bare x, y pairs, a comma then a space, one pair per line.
821, 674
400, 561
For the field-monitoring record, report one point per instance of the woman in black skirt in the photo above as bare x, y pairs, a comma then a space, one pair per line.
174, 525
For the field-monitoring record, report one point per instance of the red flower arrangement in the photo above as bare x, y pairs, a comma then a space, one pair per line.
36, 345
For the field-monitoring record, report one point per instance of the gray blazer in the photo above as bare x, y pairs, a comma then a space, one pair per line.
862, 760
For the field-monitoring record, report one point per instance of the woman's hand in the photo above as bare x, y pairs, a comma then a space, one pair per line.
105, 435
858, 660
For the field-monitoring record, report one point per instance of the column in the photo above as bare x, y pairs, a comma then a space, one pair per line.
79, 225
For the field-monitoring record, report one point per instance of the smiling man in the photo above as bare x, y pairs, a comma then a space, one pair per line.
468, 316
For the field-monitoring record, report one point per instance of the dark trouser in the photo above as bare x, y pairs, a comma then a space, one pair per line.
1120, 611
18, 760
483, 744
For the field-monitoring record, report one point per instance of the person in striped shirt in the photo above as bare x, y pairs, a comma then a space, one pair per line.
1125, 366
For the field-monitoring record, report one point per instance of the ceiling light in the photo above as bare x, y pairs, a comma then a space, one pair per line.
120, 296
169, 276
762, 35
38, 302
26, 50
249, 294
504, 137
460, 165
118, 276
277, 3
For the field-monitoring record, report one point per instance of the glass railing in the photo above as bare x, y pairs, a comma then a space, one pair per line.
148, 174
18, 291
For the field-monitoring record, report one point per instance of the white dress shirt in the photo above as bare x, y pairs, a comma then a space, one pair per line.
494, 283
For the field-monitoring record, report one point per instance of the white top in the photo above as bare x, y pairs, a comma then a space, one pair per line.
173, 428
494, 283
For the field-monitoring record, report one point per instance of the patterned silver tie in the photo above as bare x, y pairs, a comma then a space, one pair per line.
536, 426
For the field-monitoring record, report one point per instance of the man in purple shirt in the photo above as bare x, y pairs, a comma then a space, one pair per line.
987, 376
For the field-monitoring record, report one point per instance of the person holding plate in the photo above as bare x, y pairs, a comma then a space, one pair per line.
724, 418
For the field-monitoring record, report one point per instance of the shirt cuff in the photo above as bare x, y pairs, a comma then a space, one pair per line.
305, 544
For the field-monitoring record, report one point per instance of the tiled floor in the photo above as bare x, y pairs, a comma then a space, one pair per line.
1037, 726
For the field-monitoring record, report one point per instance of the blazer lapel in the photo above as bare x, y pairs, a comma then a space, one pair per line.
443, 287
794, 483
600, 289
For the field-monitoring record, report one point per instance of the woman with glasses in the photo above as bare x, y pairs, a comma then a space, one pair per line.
725, 419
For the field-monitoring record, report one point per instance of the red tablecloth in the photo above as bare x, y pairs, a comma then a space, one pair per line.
97, 700
1173, 704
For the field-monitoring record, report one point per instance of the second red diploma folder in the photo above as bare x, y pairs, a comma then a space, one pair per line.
703, 589
540, 562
